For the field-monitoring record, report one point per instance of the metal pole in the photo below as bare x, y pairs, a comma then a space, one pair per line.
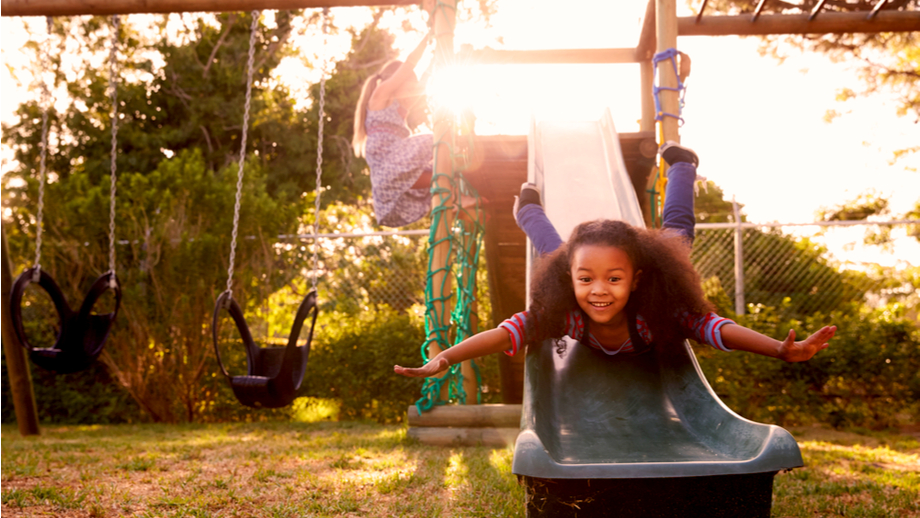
739, 260
16, 364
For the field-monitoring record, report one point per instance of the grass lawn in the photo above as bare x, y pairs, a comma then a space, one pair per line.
357, 469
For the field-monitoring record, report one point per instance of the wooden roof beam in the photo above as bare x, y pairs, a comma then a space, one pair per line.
825, 23
550, 56
108, 7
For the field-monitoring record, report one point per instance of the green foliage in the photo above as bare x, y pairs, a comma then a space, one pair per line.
888, 62
869, 203
352, 361
711, 206
868, 377
88, 397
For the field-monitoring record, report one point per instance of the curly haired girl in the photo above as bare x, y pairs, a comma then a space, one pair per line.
618, 288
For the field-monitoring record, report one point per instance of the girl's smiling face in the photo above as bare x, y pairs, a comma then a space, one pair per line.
603, 278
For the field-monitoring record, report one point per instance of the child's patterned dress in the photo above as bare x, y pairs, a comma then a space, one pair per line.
396, 161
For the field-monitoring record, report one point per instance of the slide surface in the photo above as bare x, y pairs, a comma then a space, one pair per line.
589, 415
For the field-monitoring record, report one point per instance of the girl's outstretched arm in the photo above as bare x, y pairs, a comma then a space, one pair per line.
482, 344
741, 338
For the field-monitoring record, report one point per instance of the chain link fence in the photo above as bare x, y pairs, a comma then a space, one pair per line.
358, 272
808, 267
805, 267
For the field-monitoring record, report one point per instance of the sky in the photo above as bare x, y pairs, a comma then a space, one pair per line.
758, 124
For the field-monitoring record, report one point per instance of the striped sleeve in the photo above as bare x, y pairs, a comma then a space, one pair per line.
706, 329
575, 325
516, 327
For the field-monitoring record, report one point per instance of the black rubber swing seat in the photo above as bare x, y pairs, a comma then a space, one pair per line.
82, 334
274, 374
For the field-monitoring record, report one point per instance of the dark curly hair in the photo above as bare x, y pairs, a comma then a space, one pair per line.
668, 286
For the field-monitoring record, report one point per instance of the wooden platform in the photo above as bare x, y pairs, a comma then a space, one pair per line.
494, 426
498, 177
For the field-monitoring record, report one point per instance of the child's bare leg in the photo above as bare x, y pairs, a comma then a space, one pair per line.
423, 182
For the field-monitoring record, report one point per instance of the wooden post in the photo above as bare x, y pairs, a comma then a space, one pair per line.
647, 82
16, 364
666, 30
666, 14
645, 51
439, 288
647, 123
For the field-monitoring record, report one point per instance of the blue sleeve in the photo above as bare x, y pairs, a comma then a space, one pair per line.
533, 221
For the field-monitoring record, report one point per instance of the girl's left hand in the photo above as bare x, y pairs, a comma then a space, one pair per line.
792, 351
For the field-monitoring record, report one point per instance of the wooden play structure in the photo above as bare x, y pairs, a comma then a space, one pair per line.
733, 454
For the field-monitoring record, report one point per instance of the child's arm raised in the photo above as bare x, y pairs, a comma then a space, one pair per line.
482, 344
741, 338
387, 89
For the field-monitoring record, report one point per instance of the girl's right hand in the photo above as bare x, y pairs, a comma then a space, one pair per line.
431, 368
792, 351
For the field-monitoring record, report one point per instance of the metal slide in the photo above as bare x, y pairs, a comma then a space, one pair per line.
587, 415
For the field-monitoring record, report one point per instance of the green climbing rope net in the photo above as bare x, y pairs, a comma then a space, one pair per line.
463, 238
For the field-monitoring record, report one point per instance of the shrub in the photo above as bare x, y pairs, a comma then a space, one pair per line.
88, 397
868, 377
352, 361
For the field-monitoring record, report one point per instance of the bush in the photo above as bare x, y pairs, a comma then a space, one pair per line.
868, 377
88, 397
352, 361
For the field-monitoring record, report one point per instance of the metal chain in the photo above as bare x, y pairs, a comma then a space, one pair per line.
113, 83
46, 100
239, 174
319, 151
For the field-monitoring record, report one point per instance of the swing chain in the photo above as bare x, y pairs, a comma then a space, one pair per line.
239, 175
46, 100
321, 116
114, 152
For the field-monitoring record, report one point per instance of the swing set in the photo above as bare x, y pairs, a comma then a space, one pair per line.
274, 374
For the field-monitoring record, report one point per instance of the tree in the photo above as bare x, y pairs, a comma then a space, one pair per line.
711, 206
888, 62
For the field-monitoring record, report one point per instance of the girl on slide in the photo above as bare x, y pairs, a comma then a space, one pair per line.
618, 288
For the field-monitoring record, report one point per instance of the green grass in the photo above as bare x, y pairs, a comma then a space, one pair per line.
355, 469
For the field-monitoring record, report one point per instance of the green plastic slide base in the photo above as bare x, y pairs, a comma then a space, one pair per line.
587, 415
